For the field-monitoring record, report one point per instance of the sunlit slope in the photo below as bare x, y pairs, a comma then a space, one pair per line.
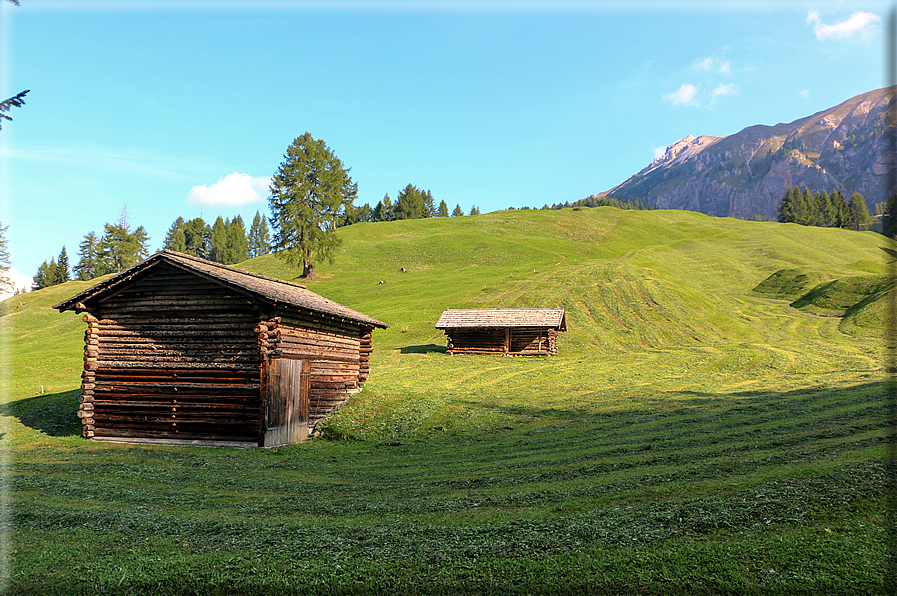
629, 279
638, 286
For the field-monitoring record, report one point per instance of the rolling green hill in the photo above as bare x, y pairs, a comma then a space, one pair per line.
699, 430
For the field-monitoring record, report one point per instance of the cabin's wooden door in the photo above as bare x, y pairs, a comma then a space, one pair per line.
286, 401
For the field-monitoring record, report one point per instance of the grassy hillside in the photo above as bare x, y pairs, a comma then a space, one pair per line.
692, 435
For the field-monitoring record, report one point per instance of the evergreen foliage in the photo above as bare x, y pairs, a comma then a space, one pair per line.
46, 275
236, 246
217, 242
457, 211
823, 210
474, 210
197, 238
175, 239
62, 273
889, 217
88, 266
412, 203
858, 217
310, 192
259, 241
442, 211
602, 202
119, 248
384, 210
4, 249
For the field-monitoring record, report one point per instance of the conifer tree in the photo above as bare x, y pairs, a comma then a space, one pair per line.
429, 206
474, 210
786, 207
889, 217
457, 211
443, 209
175, 239
46, 275
410, 203
4, 249
62, 273
858, 217
236, 247
217, 241
197, 238
88, 253
310, 192
840, 209
259, 241
384, 210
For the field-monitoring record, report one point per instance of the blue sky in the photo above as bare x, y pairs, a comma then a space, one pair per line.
186, 108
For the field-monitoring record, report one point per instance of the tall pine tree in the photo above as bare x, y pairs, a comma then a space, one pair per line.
309, 194
62, 273
259, 241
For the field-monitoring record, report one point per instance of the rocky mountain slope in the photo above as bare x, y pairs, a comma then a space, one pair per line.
745, 174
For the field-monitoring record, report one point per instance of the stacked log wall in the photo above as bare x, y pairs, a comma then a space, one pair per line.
173, 357
339, 354
536, 341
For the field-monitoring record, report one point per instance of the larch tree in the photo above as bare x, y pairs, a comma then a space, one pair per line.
309, 194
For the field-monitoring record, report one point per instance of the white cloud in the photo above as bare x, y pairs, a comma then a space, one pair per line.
712, 64
727, 89
658, 152
805, 93
683, 96
862, 24
234, 189
12, 281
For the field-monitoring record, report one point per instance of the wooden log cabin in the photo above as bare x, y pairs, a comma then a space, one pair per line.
183, 350
509, 331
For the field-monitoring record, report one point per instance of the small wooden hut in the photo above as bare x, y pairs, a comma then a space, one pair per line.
179, 349
514, 331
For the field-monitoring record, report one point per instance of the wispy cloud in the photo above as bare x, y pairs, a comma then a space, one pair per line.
727, 89
860, 24
805, 93
683, 96
232, 190
713, 64
131, 161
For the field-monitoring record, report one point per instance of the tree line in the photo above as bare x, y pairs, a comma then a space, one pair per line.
226, 241
117, 249
825, 210
411, 203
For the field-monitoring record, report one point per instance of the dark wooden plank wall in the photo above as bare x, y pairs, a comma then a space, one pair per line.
175, 357
522, 341
339, 354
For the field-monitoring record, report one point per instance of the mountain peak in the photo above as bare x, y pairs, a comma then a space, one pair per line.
745, 174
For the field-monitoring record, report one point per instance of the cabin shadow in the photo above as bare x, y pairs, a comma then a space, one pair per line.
54, 414
423, 349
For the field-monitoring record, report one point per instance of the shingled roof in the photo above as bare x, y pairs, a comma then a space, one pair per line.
265, 289
482, 318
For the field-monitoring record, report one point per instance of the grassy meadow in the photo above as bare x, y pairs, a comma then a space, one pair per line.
716, 422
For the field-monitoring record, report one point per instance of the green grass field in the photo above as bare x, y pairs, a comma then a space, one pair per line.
714, 423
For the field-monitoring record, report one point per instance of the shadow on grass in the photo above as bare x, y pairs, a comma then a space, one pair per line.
53, 414
424, 349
